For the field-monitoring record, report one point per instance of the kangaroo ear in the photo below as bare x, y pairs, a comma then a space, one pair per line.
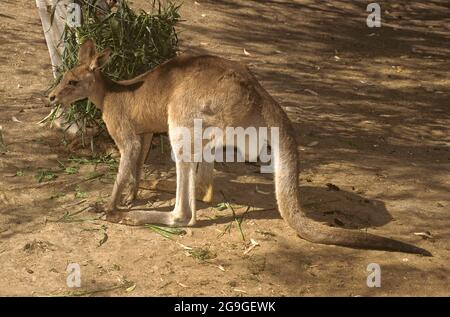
100, 59
86, 51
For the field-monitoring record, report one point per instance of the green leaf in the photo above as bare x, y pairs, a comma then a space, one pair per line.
103, 240
45, 175
222, 206
79, 193
71, 170
167, 232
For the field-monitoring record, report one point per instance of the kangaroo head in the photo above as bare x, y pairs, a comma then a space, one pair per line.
80, 82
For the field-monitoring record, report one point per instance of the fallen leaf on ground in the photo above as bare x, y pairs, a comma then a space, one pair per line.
424, 235
103, 240
253, 245
312, 92
14, 119
131, 288
259, 191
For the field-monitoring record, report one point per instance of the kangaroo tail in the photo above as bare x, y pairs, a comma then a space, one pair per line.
287, 193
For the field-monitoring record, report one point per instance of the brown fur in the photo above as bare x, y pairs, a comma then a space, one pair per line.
223, 94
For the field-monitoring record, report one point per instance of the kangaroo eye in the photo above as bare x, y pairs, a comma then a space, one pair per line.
73, 82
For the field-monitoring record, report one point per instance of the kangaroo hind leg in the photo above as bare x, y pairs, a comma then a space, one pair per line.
145, 141
204, 179
183, 213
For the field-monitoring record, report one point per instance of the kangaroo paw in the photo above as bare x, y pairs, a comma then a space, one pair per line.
140, 217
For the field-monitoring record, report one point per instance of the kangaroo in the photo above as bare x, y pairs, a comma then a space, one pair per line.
223, 94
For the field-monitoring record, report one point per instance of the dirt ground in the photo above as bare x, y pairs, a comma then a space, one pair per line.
371, 112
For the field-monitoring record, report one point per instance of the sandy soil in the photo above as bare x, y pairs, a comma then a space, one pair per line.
371, 112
